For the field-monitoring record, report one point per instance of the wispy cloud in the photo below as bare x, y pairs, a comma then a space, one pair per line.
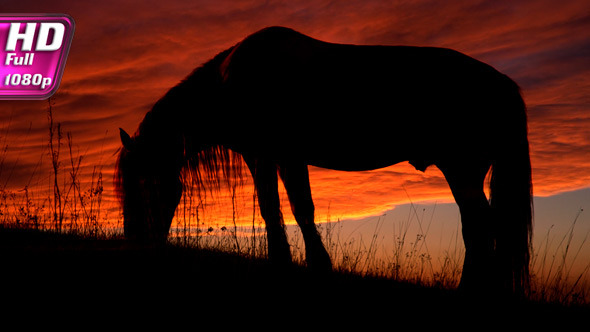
126, 54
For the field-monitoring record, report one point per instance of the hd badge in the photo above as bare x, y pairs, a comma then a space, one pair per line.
33, 53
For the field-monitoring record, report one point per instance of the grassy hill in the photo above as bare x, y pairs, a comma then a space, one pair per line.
45, 271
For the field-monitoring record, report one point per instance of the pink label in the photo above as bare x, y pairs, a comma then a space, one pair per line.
33, 53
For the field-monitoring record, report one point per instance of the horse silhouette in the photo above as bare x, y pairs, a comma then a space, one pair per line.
281, 101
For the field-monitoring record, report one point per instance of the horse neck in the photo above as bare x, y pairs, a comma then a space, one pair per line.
160, 133
187, 112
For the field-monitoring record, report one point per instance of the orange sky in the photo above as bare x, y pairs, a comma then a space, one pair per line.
126, 54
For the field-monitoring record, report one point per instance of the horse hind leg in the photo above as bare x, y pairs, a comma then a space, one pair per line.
295, 177
467, 187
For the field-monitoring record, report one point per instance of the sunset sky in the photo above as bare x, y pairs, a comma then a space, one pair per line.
127, 54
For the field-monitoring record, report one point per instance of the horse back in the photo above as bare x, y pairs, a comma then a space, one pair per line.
280, 59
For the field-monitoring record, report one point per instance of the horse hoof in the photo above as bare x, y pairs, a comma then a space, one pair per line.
319, 264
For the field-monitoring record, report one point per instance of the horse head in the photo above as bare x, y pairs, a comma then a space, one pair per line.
149, 187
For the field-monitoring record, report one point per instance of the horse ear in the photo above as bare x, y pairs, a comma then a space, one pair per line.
126, 140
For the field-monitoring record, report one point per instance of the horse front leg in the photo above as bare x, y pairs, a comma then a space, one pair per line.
295, 177
265, 178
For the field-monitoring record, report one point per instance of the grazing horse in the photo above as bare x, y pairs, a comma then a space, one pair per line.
281, 101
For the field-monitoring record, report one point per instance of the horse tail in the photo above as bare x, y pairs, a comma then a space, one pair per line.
511, 198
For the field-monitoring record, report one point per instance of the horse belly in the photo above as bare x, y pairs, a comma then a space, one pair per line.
345, 153
354, 163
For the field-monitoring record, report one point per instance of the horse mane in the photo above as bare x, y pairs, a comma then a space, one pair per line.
213, 165
212, 168
203, 165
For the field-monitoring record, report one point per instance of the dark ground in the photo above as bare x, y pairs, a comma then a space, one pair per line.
107, 280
